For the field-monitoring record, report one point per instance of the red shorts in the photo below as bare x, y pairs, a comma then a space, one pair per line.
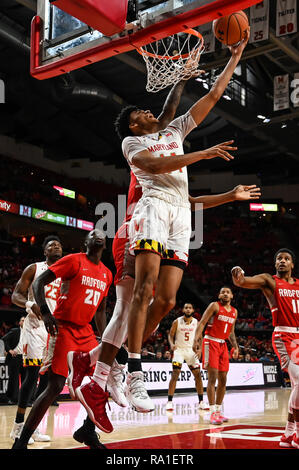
286, 347
70, 337
215, 355
123, 260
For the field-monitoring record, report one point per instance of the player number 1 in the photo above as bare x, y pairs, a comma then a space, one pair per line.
225, 328
295, 304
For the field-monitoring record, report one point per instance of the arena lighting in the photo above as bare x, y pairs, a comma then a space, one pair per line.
263, 207
260, 116
65, 192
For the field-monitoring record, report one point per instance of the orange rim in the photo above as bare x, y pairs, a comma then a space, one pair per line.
175, 57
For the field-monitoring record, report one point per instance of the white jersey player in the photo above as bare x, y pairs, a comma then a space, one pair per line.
181, 338
34, 333
160, 228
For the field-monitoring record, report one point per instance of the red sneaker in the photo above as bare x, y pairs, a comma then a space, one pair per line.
223, 418
79, 366
94, 400
286, 441
215, 418
295, 441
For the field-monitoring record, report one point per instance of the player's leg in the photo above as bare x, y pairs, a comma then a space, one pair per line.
147, 265
293, 370
40, 406
194, 365
223, 367
25, 394
177, 362
168, 283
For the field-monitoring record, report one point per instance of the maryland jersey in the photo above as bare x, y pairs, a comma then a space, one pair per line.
286, 310
221, 323
185, 333
83, 286
165, 143
52, 290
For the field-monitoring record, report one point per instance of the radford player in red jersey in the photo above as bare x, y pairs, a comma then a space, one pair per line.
282, 294
85, 283
219, 319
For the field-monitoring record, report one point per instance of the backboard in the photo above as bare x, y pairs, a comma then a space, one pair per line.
61, 43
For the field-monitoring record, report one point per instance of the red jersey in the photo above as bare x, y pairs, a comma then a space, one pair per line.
134, 194
286, 310
83, 287
221, 323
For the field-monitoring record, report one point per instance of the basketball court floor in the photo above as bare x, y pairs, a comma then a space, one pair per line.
256, 421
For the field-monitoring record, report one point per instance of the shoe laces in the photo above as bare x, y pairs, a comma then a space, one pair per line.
137, 387
117, 376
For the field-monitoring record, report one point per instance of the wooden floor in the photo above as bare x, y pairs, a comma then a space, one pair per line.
256, 420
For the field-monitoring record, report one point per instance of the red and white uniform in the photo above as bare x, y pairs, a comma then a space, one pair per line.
285, 319
34, 334
214, 347
84, 286
162, 217
184, 338
123, 260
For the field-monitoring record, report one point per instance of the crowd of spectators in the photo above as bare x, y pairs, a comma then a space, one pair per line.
232, 236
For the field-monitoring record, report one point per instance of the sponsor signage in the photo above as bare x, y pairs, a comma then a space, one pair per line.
65, 192
263, 207
49, 216
272, 374
26, 211
7, 206
85, 225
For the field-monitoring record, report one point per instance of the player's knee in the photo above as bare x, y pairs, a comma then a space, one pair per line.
166, 302
143, 291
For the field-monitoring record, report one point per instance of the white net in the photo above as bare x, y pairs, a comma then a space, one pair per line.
172, 59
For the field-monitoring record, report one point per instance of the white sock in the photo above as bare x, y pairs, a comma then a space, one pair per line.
212, 408
297, 428
218, 407
101, 373
134, 356
94, 354
289, 429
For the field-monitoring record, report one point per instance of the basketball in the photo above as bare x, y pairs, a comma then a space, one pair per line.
231, 29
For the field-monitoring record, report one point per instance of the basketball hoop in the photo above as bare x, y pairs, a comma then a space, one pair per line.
172, 59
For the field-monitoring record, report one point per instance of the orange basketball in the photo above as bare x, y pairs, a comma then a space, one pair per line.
231, 29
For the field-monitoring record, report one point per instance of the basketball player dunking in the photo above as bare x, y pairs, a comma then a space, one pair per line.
34, 334
219, 319
85, 283
181, 338
282, 294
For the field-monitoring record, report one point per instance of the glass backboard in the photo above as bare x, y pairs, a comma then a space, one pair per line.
61, 43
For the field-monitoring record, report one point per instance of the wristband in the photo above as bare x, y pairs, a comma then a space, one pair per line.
28, 304
44, 309
237, 267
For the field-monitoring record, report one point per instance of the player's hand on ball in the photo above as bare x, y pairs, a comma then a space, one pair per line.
220, 150
243, 193
239, 48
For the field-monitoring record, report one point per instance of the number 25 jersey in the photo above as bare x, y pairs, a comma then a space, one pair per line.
83, 287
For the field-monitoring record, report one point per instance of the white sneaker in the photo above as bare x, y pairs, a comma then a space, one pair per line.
169, 406
116, 385
16, 432
136, 393
203, 406
39, 437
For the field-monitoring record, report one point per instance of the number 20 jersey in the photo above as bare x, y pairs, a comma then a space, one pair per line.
83, 286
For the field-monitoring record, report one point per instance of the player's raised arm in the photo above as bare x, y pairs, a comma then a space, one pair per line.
38, 287
202, 107
153, 165
171, 335
20, 293
239, 193
208, 313
171, 103
259, 281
